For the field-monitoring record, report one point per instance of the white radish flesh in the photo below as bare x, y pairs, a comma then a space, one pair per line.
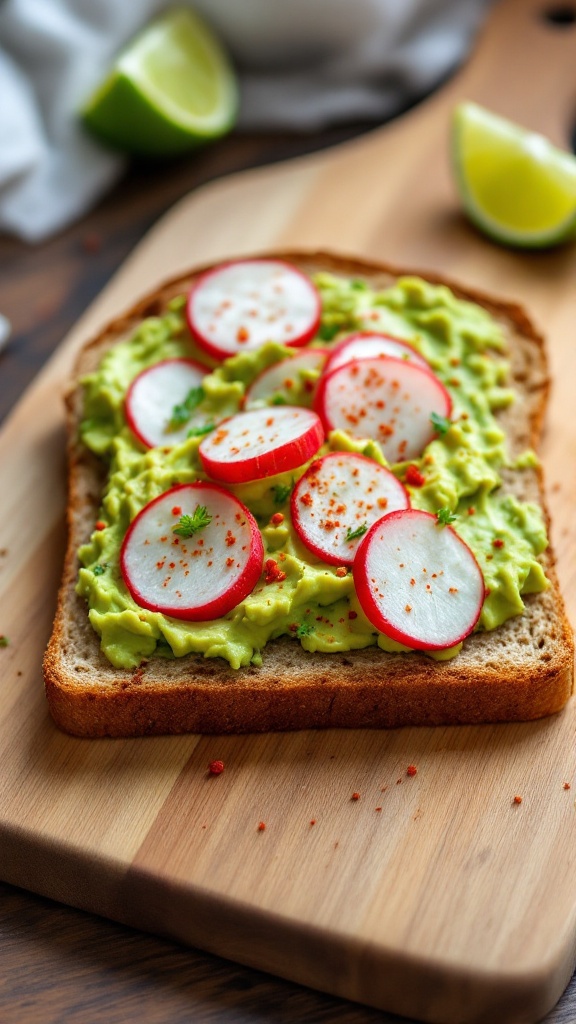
365, 344
390, 400
239, 306
199, 577
339, 495
153, 396
261, 443
280, 382
418, 582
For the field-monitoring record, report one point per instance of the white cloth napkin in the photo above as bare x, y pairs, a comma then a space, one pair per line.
303, 64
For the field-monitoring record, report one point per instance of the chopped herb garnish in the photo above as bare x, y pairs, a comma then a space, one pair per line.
281, 493
181, 413
328, 331
358, 532
304, 629
278, 400
99, 570
440, 423
4, 641
445, 516
206, 428
358, 285
187, 525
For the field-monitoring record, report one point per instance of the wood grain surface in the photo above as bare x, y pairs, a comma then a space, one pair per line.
451, 905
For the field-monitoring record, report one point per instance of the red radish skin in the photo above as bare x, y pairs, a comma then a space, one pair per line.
283, 378
193, 578
366, 344
418, 582
240, 305
261, 443
338, 493
390, 400
151, 398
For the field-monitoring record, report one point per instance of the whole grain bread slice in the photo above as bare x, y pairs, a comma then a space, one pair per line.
521, 671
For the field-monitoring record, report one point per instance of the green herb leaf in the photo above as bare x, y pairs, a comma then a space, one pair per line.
4, 641
181, 413
304, 629
99, 570
187, 525
328, 331
445, 516
207, 428
278, 400
281, 493
440, 423
358, 532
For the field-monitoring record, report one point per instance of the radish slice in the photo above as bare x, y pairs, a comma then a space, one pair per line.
282, 380
418, 582
390, 400
240, 305
155, 394
199, 577
260, 443
338, 498
365, 344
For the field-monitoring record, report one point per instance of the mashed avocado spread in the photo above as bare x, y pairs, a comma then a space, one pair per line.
314, 605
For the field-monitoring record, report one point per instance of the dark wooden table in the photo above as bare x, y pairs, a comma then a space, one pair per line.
62, 966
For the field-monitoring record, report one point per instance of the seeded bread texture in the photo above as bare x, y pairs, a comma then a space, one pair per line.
521, 671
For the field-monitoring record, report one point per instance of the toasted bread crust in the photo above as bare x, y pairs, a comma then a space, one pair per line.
522, 671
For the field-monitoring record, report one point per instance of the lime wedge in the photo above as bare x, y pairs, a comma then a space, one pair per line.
515, 185
172, 89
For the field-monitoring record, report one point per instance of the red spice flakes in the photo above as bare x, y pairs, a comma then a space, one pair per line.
341, 571
100, 524
176, 511
230, 539
274, 574
355, 796
242, 334
306, 499
408, 608
229, 562
216, 767
414, 477
498, 543
411, 770
377, 808
471, 511
566, 785
277, 518
312, 821
517, 800
352, 615
261, 826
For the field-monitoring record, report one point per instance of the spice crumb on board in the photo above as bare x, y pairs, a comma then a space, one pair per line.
377, 808
517, 800
261, 826
216, 767
566, 785
312, 821
355, 796
4, 641
411, 770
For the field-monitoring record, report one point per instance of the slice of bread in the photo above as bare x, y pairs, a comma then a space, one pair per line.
521, 671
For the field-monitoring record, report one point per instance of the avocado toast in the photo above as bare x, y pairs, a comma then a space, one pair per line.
325, 664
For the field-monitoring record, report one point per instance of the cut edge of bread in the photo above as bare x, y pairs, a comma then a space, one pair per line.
519, 672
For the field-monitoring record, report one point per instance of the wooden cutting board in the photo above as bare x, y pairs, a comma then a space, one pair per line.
431, 896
